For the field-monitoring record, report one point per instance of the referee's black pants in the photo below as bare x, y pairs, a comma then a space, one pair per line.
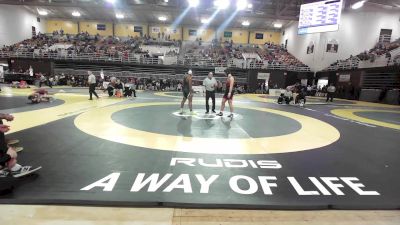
92, 90
329, 96
210, 94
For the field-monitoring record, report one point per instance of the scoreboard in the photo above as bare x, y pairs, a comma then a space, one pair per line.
320, 16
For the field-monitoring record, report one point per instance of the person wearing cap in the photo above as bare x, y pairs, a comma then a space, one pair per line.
187, 91
210, 84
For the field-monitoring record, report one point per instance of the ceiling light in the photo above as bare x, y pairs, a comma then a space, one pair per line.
241, 4
246, 23
277, 25
119, 15
162, 18
42, 12
76, 13
250, 6
205, 20
111, 1
166, 1
358, 4
193, 3
221, 4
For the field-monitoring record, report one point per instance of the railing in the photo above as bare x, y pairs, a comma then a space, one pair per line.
139, 58
345, 65
380, 61
195, 62
129, 74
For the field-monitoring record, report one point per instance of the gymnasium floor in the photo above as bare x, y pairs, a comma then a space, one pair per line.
141, 152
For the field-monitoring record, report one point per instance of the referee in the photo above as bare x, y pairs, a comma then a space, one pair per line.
92, 85
210, 84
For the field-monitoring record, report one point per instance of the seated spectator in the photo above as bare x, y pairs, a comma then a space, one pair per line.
130, 89
281, 98
119, 86
300, 98
110, 89
288, 95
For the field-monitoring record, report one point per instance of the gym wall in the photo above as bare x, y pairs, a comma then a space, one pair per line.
359, 31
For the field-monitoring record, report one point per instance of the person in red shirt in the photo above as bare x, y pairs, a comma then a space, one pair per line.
40, 95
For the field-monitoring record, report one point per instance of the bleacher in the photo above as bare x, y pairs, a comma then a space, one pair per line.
84, 47
383, 54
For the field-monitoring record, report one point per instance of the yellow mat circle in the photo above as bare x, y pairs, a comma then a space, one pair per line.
313, 134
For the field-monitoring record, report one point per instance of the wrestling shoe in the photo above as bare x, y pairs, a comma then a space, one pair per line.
213, 111
231, 115
4, 172
17, 149
25, 170
220, 114
12, 142
207, 112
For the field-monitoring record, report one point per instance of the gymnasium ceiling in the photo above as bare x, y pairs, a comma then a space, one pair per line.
262, 16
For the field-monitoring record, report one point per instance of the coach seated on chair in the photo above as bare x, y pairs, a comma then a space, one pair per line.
129, 89
288, 95
301, 96
119, 87
110, 89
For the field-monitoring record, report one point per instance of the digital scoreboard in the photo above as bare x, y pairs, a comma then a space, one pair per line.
320, 16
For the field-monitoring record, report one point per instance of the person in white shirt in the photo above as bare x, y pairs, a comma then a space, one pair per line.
210, 84
30, 71
331, 92
92, 85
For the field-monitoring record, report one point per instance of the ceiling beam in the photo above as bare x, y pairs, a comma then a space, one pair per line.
288, 5
131, 6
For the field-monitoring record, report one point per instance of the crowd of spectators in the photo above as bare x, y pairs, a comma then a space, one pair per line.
217, 53
278, 55
380, 49
83, 43
221, 52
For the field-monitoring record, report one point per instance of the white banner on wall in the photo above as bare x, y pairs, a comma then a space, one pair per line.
220, 70
263, 76
344, 77
171, 31
155, 30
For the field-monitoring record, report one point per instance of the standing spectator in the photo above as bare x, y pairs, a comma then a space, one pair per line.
42, 80
92, 85
330, 92
50, 82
